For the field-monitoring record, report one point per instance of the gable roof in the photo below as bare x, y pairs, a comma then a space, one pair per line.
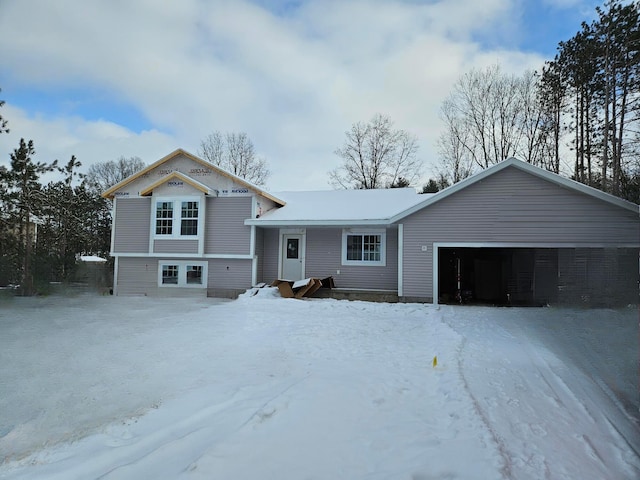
180, 176
526, 167
339, 207
110, 193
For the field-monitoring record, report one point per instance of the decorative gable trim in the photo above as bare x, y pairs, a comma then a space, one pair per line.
110, 193
180, 176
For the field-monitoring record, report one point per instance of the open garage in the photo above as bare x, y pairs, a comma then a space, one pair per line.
536, 276
515, 234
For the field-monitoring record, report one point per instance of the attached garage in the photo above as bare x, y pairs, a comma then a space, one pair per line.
532, 276
518, 235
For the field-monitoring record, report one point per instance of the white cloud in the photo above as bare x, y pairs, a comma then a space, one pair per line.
90, 141
295, 82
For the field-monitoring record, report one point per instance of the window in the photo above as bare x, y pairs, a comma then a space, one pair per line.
164, 218
363, 248
170, 274
194, 274
182, 213
189, 222
292, 248
182, 274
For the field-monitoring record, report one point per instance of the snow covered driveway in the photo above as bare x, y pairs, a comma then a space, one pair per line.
265, 387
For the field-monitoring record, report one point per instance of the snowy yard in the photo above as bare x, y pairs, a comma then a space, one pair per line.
272, 388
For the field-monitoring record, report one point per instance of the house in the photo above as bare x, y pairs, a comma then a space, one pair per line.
512, 234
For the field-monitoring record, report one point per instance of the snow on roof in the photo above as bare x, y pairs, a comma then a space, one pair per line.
91, 258
340, 206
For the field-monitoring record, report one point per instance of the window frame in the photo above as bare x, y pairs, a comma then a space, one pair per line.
177, 218
183, 281
382, 262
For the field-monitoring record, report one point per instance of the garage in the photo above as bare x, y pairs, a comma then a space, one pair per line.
536, 276
515, 234
497, 276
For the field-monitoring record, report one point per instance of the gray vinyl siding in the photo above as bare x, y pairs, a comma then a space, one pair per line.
324, 259
131, 225
228, 277
225, 231
514, 207
175, 246
137, 276
270, 256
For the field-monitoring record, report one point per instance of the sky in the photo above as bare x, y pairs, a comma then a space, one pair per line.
103, 79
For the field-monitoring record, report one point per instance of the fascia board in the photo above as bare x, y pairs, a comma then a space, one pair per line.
314, 223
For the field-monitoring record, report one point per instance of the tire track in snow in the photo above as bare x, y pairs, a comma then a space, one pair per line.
506, 469
574, 433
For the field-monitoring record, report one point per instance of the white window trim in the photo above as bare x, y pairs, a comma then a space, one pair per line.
182, 274
365, 263
177, 217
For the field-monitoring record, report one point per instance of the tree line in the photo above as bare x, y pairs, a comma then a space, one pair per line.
580, 115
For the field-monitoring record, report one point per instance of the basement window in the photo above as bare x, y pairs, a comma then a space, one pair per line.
182, 274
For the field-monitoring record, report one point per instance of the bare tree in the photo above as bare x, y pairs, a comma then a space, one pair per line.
456, 162
234, 152
375, 155
104, 175
491, 116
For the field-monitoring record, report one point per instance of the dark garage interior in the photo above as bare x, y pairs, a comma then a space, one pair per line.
537, 276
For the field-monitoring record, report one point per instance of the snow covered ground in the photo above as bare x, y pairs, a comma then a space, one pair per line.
272, 388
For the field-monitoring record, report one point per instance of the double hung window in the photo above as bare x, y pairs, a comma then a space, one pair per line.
177, 218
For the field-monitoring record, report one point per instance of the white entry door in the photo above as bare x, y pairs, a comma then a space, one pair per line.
292, 257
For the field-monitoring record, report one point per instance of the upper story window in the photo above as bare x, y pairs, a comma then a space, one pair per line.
363, 248
177, 217
164, 218
189, 218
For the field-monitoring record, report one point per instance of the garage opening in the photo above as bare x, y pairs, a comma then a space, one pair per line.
498, 276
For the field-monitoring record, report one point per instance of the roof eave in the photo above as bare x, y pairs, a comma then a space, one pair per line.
315, 223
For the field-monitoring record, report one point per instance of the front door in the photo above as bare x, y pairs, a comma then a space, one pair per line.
292, 257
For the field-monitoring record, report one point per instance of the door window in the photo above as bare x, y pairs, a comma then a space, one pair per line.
292, 247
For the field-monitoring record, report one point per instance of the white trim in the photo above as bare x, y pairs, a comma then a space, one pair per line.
116, 265
183, 255
317, 223
360, 232
182, 273
400, 258
254, 271
113, 224
202, 215
177, 217
534, 245
434, 268
303, 247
